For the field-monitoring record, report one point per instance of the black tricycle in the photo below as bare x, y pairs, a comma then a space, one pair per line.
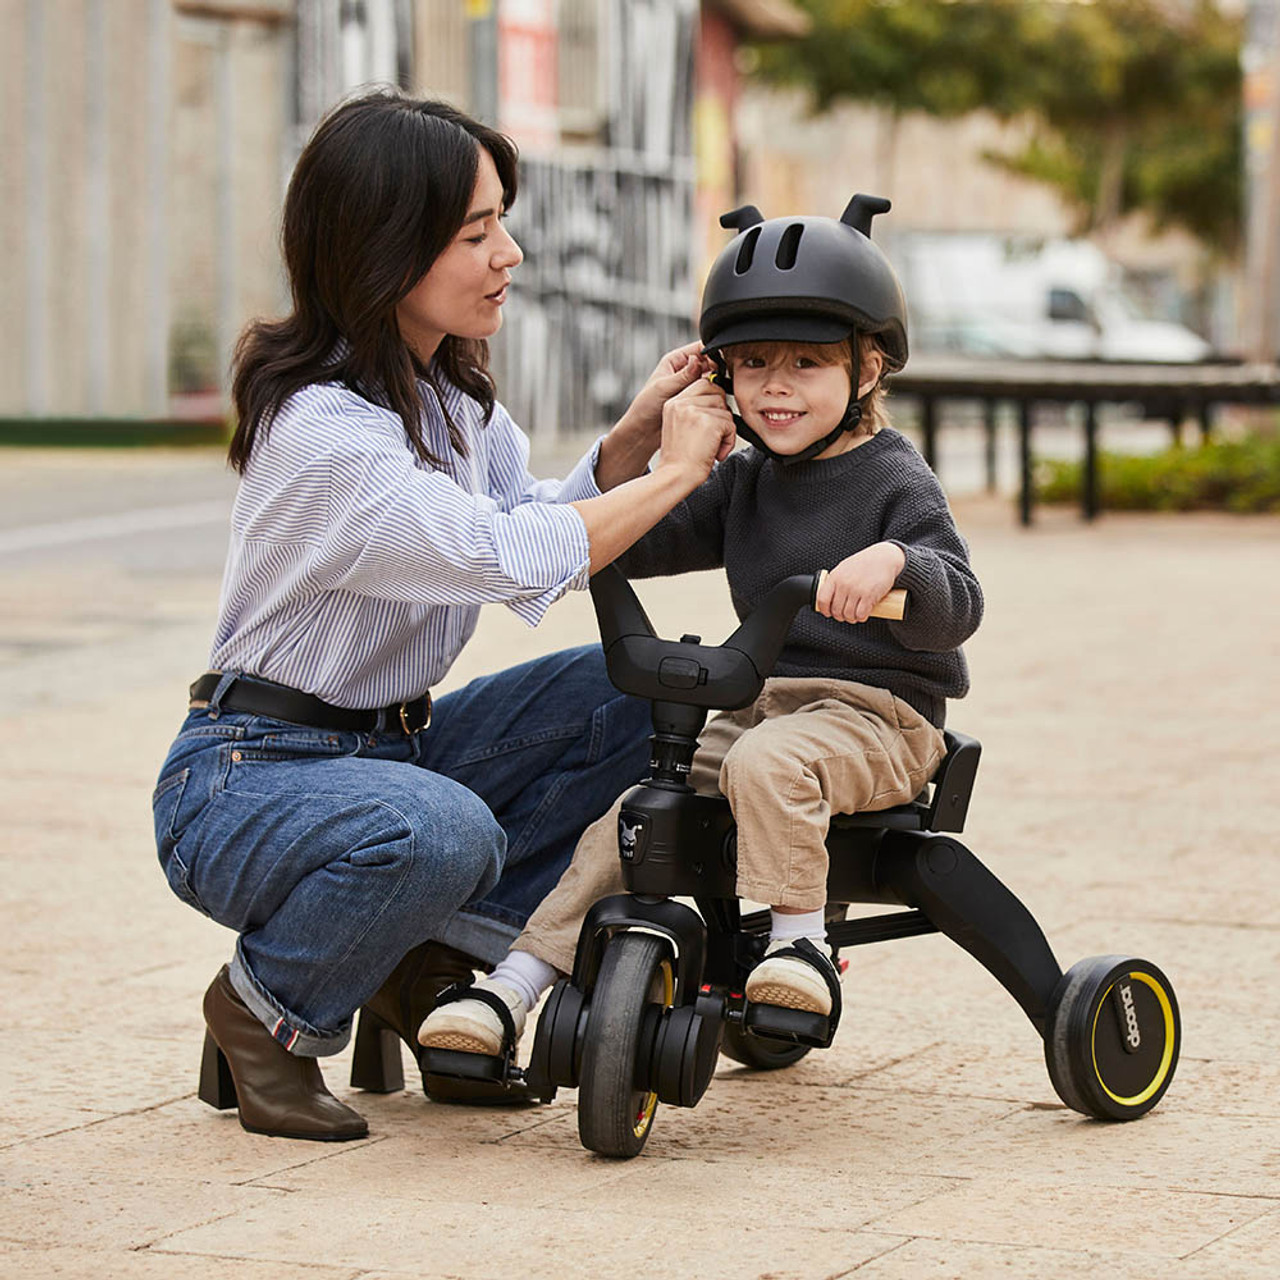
656, 990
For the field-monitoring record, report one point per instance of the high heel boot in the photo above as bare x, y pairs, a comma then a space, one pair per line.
396, 1010
277, 1092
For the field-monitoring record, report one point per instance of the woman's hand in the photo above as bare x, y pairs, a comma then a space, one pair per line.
674, 372
697, 430
626, 450
855, 586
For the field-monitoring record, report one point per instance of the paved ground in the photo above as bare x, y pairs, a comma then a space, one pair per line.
1126, 696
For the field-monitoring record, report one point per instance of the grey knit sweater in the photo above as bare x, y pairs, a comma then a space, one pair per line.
763, 522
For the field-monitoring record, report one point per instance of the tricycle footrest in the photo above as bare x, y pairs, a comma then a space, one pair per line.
796, 1026
464, 1066
479, 1078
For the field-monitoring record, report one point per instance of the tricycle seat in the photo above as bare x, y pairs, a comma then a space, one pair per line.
949, 805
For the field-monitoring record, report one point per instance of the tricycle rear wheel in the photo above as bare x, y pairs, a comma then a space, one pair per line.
758, 1052
1113, 1035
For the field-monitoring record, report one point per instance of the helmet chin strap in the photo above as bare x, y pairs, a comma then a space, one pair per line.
852, 417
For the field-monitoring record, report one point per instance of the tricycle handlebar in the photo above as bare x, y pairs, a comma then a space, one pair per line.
724, 676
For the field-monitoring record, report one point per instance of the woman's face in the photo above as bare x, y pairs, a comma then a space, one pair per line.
464, 291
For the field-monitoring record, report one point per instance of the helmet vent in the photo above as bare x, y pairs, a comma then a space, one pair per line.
789, 246
747, 252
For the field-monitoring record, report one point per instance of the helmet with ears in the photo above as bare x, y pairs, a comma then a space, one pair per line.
805, 280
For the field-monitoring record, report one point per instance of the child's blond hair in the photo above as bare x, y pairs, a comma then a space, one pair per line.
874, 414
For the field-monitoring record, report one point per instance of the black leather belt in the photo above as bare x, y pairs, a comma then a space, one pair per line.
279, 702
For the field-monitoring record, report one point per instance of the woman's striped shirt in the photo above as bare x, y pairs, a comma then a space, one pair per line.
356, 571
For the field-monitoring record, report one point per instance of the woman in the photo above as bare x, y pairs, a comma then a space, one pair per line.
315, 801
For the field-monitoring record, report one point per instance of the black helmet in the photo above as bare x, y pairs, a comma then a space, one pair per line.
804, 280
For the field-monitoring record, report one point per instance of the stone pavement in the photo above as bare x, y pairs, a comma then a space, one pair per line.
1125, 692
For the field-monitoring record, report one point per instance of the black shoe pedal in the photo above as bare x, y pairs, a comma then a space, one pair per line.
481, 1067
478, 1079
795, 1026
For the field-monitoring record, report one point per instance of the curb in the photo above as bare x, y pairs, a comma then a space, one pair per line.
112, 433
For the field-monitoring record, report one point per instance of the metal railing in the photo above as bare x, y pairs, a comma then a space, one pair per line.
1169, 392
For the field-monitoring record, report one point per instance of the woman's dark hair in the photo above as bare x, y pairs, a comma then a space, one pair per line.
379, 192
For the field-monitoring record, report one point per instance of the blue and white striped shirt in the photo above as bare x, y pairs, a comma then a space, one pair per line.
356, 572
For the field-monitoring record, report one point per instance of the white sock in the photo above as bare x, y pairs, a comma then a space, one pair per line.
786, 926
526, 975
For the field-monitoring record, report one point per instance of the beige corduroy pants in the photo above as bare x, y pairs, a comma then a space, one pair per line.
805, 749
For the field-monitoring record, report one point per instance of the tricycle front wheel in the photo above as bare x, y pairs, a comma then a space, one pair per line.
615, 1104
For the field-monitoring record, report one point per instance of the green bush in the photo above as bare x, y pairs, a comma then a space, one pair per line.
1235, 475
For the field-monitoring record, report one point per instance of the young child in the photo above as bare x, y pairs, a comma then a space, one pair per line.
852, 717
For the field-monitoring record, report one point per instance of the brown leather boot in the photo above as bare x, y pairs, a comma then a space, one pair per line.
278, 1093
396, 1010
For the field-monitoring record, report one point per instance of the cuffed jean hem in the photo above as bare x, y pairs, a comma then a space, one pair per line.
478, 935
293, 1033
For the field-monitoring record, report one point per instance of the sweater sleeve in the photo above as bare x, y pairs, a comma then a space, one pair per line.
690, 536
944, 597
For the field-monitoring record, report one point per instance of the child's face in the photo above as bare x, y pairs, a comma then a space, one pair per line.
788, 396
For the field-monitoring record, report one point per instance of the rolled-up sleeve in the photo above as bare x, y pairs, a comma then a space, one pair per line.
510, 483
394, 531
580, 483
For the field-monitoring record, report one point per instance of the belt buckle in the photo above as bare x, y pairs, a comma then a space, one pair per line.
404, 716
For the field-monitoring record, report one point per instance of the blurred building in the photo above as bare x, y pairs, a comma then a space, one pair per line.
142, 157
599, 99
940, 182
1261, 65
145, 146
716, 113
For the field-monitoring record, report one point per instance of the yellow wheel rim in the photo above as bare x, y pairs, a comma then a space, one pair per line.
644, 1116
1162, 1070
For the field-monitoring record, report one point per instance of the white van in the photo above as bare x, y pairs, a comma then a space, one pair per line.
986, 295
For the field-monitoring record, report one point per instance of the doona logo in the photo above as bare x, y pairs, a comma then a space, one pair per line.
628, 837
1132, 1034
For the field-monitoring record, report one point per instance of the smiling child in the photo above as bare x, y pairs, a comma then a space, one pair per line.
804, 318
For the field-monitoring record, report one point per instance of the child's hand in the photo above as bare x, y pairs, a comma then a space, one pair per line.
855, 586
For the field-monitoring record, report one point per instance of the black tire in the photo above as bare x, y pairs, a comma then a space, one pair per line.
614, 1116
1113, 1063
758, 1052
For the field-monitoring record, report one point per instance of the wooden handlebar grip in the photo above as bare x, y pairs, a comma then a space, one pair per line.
893, 606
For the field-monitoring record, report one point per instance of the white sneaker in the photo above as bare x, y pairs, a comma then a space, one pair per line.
789, 982
471, 1026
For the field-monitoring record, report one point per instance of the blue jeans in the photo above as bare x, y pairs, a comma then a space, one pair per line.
332, 853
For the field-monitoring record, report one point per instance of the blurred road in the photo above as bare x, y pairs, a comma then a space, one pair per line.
98, 549
102, 545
